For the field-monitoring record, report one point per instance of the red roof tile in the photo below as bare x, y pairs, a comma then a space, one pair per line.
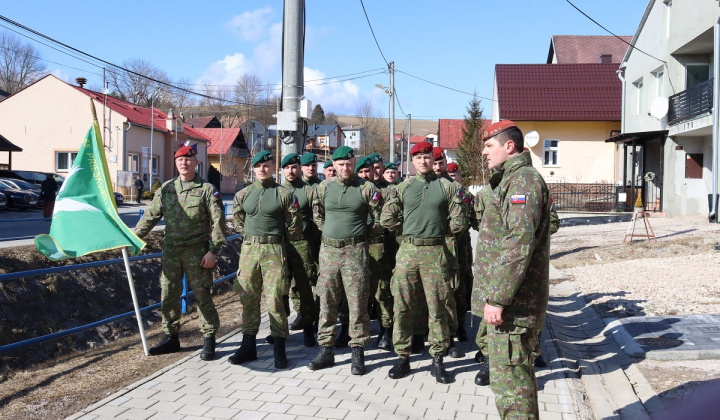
558, 92
577, 49
229, 137
450, 133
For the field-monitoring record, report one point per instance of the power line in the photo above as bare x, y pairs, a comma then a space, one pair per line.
443, 86
373, 33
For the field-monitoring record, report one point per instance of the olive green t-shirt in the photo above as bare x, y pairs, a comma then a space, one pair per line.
346, 211
264, 210
425, 207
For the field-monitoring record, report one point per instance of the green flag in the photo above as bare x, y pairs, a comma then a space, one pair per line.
85, 219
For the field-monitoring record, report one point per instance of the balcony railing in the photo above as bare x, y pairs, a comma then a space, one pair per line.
691, 103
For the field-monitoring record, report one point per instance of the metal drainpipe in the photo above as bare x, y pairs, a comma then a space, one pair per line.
622, 118
716, 121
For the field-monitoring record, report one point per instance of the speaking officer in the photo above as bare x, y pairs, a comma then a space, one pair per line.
194, 232
512, 257
266, 215
345, 208
301, 266
329, 169
424, 208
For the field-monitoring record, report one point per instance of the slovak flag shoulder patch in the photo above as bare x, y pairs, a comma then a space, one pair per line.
376, 196
295, 203
517, 199
216, 194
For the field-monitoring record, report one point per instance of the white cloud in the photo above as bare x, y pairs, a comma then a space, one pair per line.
251, 26
339, 97
269, 52
226, 71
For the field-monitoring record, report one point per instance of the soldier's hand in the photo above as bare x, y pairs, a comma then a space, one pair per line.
493, 315
208, 260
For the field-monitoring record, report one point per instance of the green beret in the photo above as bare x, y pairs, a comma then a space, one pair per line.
363, 162
391, 166
375, 158
328, 163
290, 159
308, 158
343, 153
262, 156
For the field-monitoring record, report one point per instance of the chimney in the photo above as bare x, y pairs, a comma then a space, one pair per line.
606, 58
81, 81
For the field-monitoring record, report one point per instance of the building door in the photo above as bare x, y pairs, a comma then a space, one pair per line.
696, 74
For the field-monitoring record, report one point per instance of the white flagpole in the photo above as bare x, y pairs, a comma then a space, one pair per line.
134, 299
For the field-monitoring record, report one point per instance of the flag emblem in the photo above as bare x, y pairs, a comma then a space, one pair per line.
217, 194
517, 199
376, 196
295, 203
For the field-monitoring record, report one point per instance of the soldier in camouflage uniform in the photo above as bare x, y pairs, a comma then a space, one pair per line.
512, 257
390, 174
424, 208
308, 162
329, 169
302, 268
266, 214
345, 209
465, 258
194, 232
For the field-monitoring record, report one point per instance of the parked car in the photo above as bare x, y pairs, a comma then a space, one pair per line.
119, 199
20, 199
25, 186
33, 177
3, 202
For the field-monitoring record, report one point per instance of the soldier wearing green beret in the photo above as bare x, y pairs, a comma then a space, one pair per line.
345, 209
329, 169
390, 174
301, 265
424, 209
308, 161
266, 214
194, 232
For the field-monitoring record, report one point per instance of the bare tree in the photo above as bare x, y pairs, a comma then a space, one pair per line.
20, 64
371, 121
137, 86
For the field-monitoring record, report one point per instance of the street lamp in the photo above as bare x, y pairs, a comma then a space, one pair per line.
391, 127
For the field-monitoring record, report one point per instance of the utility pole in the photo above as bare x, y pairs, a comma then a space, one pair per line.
391, 67
407, 164
402, 150
293, 84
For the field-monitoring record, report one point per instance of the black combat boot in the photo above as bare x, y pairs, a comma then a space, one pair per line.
418, 344
208, 351
454, 351
483, 376
385, 340
309, 336
297, 323
438, 371
324, 359
344, 338
170, 344
461, 334
270, 339
400, 368
281, 361
540, 361
246, 352
357, 366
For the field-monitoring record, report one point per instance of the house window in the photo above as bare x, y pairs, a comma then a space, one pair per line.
696, 74
638, 97
550, 152
693, 165
133, 162
668, 17
155, 164
63, 160
659, 83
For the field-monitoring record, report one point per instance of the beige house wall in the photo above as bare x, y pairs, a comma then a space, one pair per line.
583, 155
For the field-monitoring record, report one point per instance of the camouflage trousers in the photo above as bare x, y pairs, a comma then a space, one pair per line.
345, 269
465, 271
303, 274
422, 271
263, 269
175, 263
458, 287
380, 275
512, 377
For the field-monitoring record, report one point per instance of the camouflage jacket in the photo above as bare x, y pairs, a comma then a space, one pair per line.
513, 250
194, 215
279, 216
370, 198
303, 192
396, 213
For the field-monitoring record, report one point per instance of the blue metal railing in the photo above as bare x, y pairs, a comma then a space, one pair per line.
75, 267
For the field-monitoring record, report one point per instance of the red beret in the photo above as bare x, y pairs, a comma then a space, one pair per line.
422, 147
438, 153
452, 167
497, 128
187, 151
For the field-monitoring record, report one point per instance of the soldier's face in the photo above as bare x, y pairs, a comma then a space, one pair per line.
378, 170
186, 166
497, 153
345, 168
455, 175
390, 175
366, 174
292, 172
439, 166
423, 162
264, 170
329, 172
310, 171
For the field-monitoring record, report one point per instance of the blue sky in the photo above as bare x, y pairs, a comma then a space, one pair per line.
455, 43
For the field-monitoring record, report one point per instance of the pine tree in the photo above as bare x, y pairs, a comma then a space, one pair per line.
472, 163
318, 115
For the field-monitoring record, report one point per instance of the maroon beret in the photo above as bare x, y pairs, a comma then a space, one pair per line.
422, 147
438, 153
452, 167
497, 128
187, 151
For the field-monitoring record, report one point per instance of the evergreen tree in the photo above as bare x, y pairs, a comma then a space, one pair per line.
318, 115
472, 163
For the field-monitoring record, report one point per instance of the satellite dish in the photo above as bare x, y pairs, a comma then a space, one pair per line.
659, 107
532, 138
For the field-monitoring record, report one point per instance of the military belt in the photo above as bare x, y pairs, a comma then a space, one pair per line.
424, 241
271, 239
376, 240
341, 243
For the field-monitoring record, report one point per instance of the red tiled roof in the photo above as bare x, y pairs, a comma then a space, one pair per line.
229, 136
558, 92
577, 49
450, 133
140, 115
201, 122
